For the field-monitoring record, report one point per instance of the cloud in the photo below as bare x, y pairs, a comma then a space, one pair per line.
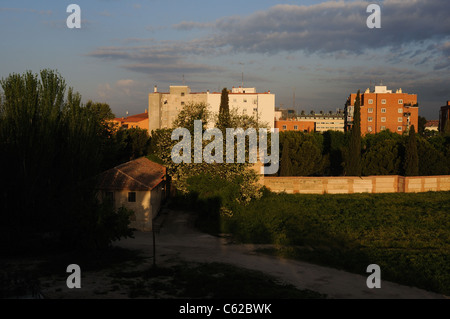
414, 32
189, 25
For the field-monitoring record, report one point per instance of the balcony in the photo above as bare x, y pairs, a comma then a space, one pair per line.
411, 105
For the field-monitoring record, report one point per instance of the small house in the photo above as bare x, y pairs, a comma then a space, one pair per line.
139, 185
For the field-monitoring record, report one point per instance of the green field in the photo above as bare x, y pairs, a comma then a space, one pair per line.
407, 235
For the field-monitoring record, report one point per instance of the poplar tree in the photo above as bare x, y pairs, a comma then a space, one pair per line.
353, 165
411, 155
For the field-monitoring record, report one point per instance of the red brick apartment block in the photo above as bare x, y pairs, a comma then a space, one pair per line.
383, 110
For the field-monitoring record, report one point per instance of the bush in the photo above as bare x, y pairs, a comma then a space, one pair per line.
406, 234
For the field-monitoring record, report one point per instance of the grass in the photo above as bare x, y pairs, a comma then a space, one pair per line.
407, 235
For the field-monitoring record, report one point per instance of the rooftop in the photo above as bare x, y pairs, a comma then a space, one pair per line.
133, 118
138, 175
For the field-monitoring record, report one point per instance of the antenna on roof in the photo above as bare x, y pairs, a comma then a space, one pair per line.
242, 79
183, 79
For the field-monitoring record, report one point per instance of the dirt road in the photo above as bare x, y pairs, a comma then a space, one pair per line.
178, 238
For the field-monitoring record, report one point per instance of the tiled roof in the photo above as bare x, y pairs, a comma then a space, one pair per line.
133, 118
432, 123
139, 175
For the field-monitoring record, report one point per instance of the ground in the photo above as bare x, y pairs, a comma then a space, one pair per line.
185, 256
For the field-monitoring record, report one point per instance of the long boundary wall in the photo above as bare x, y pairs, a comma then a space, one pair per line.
351, 185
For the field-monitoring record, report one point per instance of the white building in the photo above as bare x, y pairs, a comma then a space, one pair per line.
164, 107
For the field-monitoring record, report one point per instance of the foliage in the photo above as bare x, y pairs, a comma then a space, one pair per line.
239, 174
286, 164
383, 158
406, 234
422, 121
411, 156
224, 120
101, 110
353, 158
304, 152
50, 146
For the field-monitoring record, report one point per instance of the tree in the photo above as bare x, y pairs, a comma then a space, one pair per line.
101, 110
224, 121
382, 158
353, 161
286, 164
50, 148
411, 164
421, 125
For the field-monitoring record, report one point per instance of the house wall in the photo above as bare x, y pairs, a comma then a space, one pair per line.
350, 185
142, 219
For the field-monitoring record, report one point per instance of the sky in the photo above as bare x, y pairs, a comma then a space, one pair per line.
317, 51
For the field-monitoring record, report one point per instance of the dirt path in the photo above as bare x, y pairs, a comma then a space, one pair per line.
178, 238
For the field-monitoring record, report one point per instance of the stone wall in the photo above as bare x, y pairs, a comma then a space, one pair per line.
351, 185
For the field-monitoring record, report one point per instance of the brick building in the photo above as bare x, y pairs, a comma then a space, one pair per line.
295, 125
383, 110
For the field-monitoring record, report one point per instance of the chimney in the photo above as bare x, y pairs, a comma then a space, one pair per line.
155, 90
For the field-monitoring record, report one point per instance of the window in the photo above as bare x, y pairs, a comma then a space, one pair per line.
245, 100
370, 101
369, 128
182, 103
383, 128
400, 120
370, 119
383, 119
295, 127
400, 110
383, 101
132, 197
383, 110
400, 101
182, 93
284, 127
399, 128
370, 110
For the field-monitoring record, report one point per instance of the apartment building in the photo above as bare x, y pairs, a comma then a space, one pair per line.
383, 110
164, 107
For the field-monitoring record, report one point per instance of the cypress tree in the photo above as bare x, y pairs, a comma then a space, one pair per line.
286, 164
411, 155
353, 167
224, 121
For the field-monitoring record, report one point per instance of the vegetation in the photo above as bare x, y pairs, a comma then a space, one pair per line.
382, 153
407, 235
353, 158
51, 145
162, 145
411, 156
